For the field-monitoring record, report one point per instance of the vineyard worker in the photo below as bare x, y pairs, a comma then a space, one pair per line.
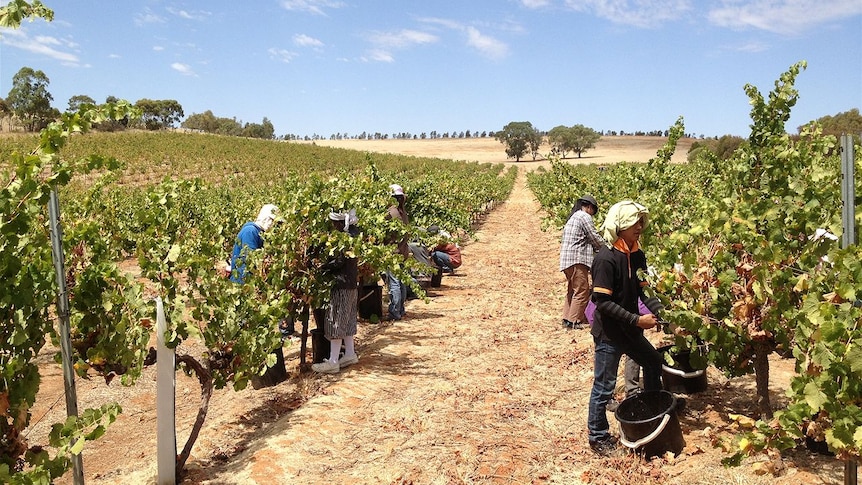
249, 239
579, 245
340, 322
618, 328
445, 254
397, 288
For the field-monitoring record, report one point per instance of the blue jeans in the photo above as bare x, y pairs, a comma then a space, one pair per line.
397, 295
605, 367
442, 260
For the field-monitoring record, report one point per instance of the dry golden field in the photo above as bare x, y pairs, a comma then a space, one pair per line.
611, 149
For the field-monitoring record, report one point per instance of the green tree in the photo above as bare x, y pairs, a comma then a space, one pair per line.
78, 100
519, 137
264, 130
30, 100
583, 138
723, 148
159, 114
210, 123
205, 121
848, 122
5, 113
576, 139
558, 138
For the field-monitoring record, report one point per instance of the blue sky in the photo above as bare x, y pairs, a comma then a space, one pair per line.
345, 66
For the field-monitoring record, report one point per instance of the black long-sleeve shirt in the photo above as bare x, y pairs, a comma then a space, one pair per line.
616, 290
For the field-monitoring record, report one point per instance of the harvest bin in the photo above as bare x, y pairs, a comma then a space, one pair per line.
682, 377
437, 278
370, 302
649, 425
275, 374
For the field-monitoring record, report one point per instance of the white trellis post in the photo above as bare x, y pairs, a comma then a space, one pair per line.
166, 438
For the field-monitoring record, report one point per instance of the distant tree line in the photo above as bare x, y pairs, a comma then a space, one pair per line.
434, 135
28, 107
207, 122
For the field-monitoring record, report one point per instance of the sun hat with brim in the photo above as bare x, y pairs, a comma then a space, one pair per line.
590, 200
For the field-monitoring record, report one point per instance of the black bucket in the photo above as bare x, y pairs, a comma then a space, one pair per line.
319, 346
273, 375
370, 303
437, 278
648, 423
681, 377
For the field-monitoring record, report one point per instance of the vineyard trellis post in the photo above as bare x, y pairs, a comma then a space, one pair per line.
848, 191
848, 238
166, 434
63, 322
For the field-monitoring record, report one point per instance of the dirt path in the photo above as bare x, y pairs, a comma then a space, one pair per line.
457, 392
480, 385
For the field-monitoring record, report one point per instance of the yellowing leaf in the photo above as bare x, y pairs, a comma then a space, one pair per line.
801, 283
173, 254
742, 420
78, 446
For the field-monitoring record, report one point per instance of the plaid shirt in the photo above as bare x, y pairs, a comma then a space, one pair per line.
580, 241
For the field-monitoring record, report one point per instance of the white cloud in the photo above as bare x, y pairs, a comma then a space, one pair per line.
196, 15
385, 42
148, 17
488, 46
282, 55
752, 47
449, 24
43, 45
782, 16
401, 39
535, 3
311, 6
183, 69
306, 41
378, 55
158, 48
638, 13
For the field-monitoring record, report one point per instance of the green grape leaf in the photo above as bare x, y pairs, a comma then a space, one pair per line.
814, 396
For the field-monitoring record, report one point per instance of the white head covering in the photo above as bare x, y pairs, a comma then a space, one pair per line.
395, 190
348, 217
621, 216
266, 216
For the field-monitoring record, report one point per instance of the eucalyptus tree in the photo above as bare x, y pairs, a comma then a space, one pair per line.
30, 100
78, 100
519, 138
